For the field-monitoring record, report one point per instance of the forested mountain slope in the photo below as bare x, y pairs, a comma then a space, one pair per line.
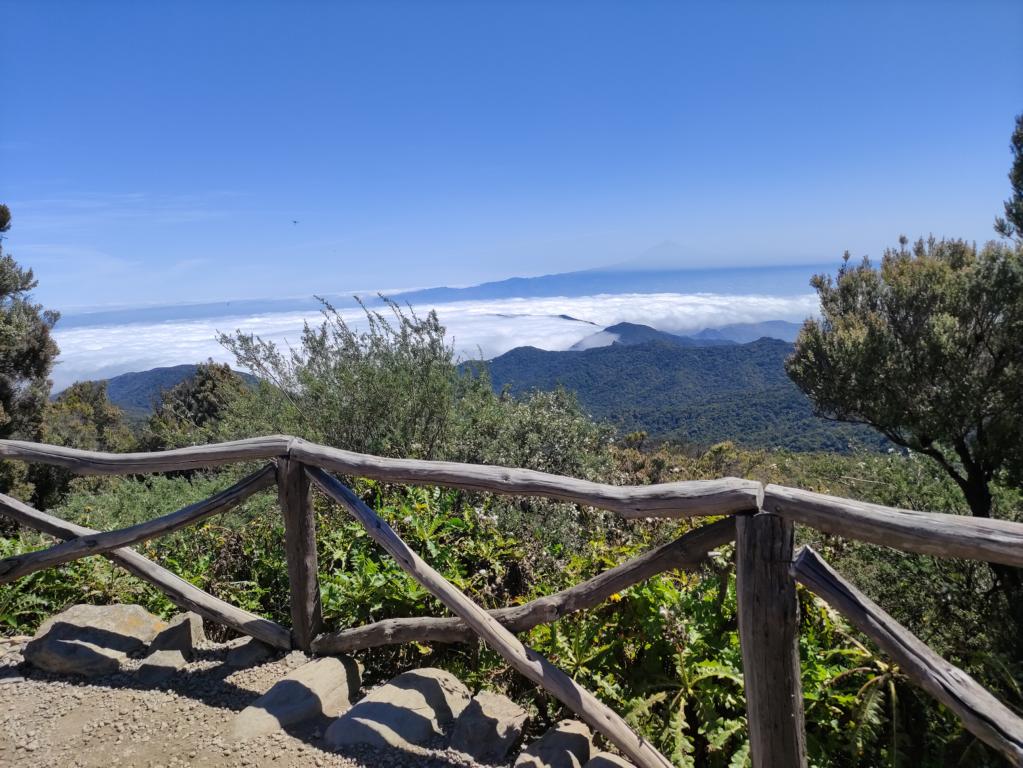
698, 395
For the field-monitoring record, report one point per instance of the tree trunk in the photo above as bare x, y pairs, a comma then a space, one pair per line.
1007, 578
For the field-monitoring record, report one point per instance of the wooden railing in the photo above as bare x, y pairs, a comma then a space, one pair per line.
759, 519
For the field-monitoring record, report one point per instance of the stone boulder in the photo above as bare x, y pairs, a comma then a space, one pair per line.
323, 687
607, 760
92, 640
413, 709
247, 652
183, 633
567, 745
489, 727
160, 665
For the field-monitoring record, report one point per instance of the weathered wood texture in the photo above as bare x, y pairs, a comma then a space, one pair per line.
178, 590
685, 553
192, 457
685, 499
295, 497
985, 717
525, 660
769, 636
997, 541
97, 543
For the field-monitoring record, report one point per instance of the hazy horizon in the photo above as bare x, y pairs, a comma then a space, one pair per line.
477, 328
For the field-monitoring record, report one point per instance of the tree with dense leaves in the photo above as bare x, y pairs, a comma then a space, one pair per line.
927, 350
83, 417
189, 411
27, 351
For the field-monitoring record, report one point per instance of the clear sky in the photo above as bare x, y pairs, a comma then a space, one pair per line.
161, 151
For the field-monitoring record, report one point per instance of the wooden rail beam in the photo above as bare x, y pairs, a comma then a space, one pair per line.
295, 497
179, 459
929, 533
687, 552
525, 660
181, 593
15, 567
982, 714
682, 499
769, 636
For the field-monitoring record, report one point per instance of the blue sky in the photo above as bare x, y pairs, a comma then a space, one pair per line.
159, 152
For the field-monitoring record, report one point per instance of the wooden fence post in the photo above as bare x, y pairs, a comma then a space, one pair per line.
768, 633
295, 496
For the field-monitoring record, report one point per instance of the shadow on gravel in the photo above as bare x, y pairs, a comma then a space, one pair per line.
212, 688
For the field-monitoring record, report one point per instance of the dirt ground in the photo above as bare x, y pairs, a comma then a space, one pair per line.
47, 720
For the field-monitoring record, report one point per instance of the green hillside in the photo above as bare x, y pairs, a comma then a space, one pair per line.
699, 395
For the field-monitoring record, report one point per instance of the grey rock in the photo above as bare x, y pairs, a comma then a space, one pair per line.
91, 640
159, 665
567, 745
321, 687
184, 633
296, 659
607, 760
411, 710
489, 727
247, 652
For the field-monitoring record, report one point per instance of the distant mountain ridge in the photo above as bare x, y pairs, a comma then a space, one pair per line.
634, 333
788, 280
736, 333
743, 333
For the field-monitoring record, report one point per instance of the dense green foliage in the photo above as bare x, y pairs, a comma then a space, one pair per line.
385, 391
927, 350
191, 410
689, 395
395, 390
79, 417
27, 351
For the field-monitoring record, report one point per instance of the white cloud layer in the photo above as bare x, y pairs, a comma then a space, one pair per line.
476, 327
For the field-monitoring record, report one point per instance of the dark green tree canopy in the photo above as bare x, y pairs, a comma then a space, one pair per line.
27, 349
928, 350
189, 411
82, 416
1012, 224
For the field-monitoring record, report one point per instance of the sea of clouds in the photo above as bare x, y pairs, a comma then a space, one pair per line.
477, 328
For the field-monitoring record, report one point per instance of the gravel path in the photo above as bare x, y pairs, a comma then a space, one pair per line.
47, 720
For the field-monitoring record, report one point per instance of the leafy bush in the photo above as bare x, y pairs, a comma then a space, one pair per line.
386, 390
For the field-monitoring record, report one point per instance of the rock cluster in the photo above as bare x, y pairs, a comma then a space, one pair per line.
412, 718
